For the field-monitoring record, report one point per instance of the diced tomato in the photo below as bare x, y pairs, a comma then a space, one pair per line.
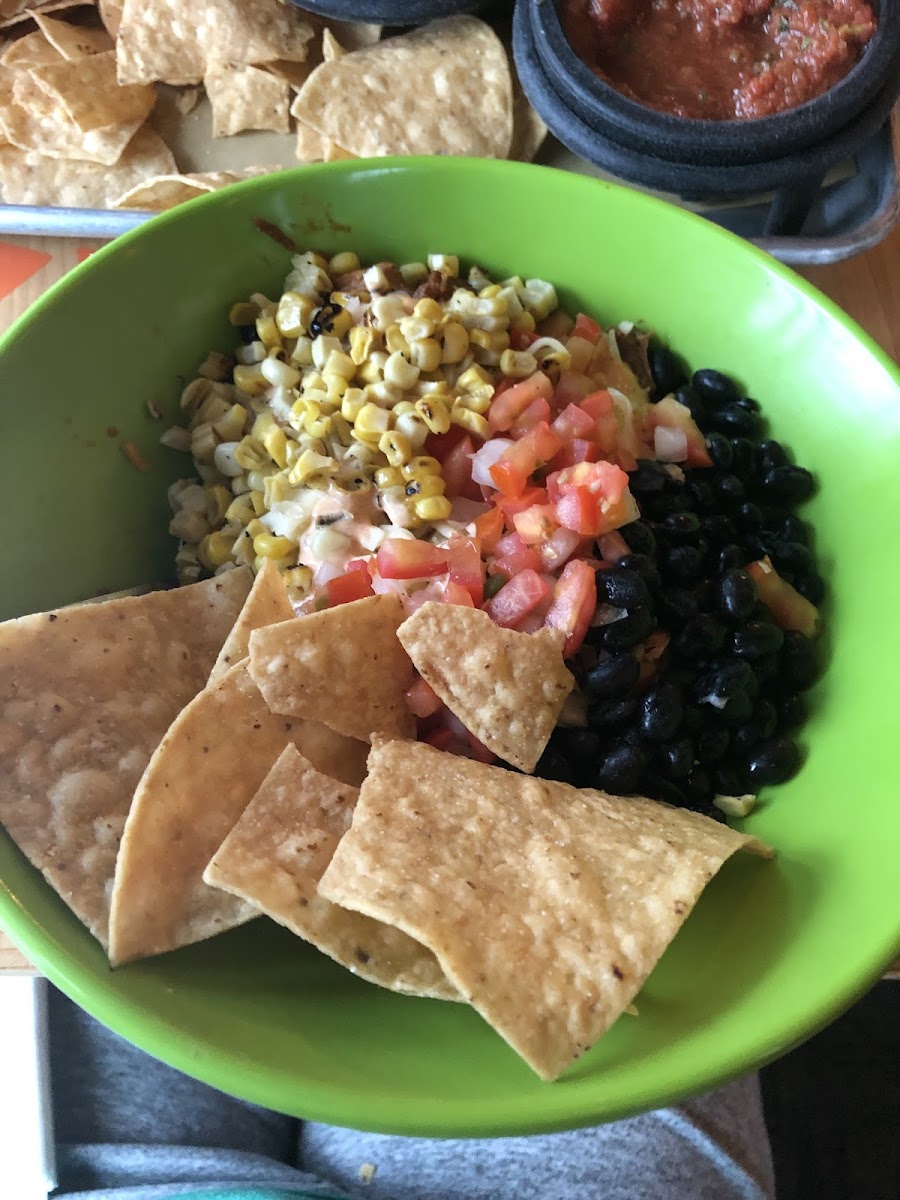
573, 422
409, 558
586, 327
606, 433
576, 451
466, 568
787, 606
456, 470
521, 339
536, 523
579, 511
571, 388
537, 411
518, 462
445, 739
439, 445
673, 415
489, 529
454, 593
574, 604
513, 556
509, 403
421, 698
366, 564
479, 751
517, 598
559, 548
589, 496
509, 507
613, 547
553, 489
354, 584
597, 404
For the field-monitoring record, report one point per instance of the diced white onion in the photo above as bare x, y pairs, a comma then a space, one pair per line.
607, 615
326, 571
670, 445
485, 459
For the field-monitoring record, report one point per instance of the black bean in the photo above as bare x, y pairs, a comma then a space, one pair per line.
718, 529
582, 746
675, 605
792, 529
625, 633
607, 715
748, 517
248, 334
712, 744
701, 638
555, 765
732, 556
720, 450
792, 712
736, 421
766, 668
688, 397
773, 761
729, 780
749, 403
622, 587
684, 563
692, 719
762, 725
812, 586
714, 387
756, 639
698, 787
645, 567
790, 556
787, 485
649, 476
661, 712
666, 369
737, 594
612, 677
679, 525
743, 457
660, 504
799, 661
666, 791
640, 537
723, 680
771, 454
699, 489
676, 758
728, 489
737, 709
621, 769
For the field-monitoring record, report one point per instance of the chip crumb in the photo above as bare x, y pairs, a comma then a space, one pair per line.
154, 412
134, 456
187, 99
367, 1172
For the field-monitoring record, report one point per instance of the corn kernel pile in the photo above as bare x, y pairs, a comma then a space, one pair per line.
309, 444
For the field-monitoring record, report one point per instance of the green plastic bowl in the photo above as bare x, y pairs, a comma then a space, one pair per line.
773, 950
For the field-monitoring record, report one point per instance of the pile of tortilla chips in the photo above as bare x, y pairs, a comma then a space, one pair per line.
78, 95
179, 763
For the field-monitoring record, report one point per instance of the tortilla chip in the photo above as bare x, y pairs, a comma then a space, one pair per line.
246, 98
546, 906
24, 10
87, 90
173, 40
274, 858
331, 47
86, 694
165, 191
111, 15
507, 688
203, 775
187, 99
529, 130
32, 48
73, 41
267, 604
442, 89
27, 177
311, 146
343, 666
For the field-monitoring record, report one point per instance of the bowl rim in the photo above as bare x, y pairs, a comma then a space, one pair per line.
97, 993
793, 126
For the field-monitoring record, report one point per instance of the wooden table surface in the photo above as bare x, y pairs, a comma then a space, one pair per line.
866, 287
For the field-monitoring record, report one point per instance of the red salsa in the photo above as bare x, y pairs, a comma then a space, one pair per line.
719, 59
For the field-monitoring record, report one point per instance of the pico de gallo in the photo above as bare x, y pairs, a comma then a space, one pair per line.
454, 438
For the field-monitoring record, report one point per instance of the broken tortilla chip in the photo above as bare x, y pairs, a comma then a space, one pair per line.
267, 604
529, 130
546, 906
507, 688
24, 10
202, 776
87, 90
343, 665
165, 191
444, 88
73, 41
274, 858
246, 98
86, 694
111, 15
32, 48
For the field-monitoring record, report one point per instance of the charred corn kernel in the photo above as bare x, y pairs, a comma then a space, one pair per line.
340, 429
428, 310
213, 409
478, 278
490, 291
413, 273
497, 341
402, 407
523, 323
513, 303
251, 454
218, 499
475, 379
316, 425
203, 443
215, 549
454, 339
340, 323
548, 351
250, 379
298, 580
395, 447
399, 372
352, 403
447, 264
342, 263
293, 314
277, 488
257, 478
311, 465
195, 393
242, 550
476, 402
278, 373
239, 485
371, 422
255, 528
517, 364
262, 424
241, 510
395, 341
339, 363
362, 341
386, 477
422, 464
267, 545
539, 297
301, 355
415, 328
189, 526
258, 499
423, 486
433, 508
425, 354
230, 427
386, 310
384, 394
434, 412
322, 346
267, 332
372, 370
243, 314
413, 428
472, 422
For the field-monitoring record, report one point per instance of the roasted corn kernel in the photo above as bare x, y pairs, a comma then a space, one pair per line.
267, 545
395, 447
433, 508
215, 549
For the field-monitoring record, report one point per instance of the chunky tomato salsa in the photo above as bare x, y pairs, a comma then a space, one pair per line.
719, 59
